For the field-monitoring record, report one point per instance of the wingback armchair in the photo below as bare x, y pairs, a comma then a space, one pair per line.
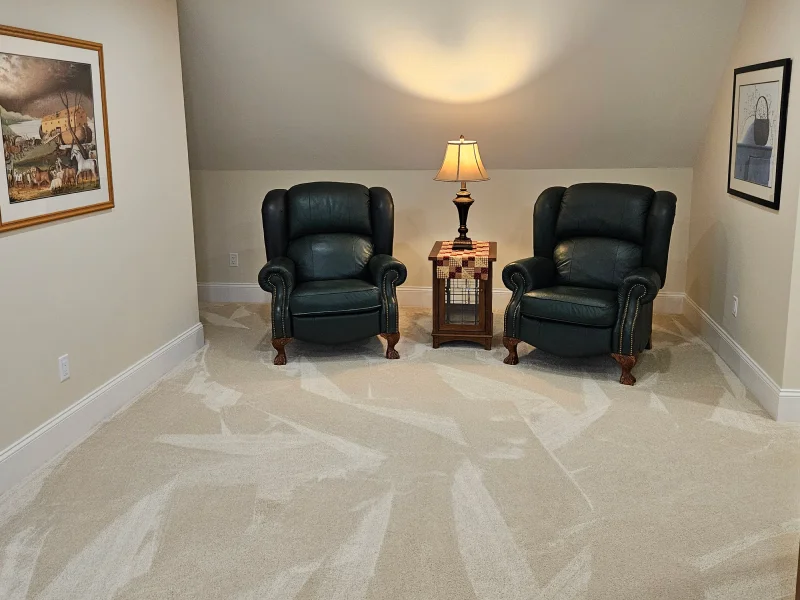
600, 258
330, 267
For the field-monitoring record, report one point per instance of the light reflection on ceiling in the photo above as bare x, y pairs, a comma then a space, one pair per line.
455, 51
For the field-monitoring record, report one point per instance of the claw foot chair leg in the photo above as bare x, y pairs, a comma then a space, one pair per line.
280, 345
511, 346
626, 363
391, 341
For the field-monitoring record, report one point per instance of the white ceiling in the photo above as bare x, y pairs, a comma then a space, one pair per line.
379, 84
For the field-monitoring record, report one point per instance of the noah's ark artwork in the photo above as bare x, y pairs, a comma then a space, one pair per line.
47, 111
52, 111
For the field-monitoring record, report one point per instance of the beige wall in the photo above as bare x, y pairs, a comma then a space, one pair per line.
227, 207
791, 373
736, 247
107, 288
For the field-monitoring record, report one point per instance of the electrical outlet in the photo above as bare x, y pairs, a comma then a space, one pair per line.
63, 367
234, 259
735, 309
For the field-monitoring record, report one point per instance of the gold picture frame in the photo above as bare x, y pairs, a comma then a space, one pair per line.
55, 131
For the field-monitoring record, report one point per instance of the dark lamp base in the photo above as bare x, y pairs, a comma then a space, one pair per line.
462, 201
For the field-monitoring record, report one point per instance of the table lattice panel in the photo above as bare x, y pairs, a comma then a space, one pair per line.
462, 301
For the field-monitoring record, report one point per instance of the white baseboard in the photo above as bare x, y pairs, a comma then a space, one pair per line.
669, 303
247, 293
73, 424
407, 295
789, 406
416, 296
782, 405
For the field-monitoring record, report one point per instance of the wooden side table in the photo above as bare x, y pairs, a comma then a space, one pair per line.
462, 308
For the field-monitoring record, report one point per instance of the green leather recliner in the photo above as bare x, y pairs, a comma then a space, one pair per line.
600, 258
330, 268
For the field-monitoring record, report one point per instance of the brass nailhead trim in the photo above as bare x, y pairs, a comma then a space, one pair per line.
385, 299
519, 303
625, 317
633, 325
276, 309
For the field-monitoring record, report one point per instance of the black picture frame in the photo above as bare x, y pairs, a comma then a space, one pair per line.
786, 66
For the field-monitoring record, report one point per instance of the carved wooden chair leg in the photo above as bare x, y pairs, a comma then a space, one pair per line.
511, 346
391, 341
627, 363
280, 345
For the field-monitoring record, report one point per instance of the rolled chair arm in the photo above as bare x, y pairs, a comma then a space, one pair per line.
643, 277
639, 287
278, 277
529, 274
381, 264
521, 277
387, 273
281, 266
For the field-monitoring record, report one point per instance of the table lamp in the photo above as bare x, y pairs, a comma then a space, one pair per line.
462, 162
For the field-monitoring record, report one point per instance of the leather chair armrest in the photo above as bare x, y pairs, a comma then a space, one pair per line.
387, 273
278, 277
534, 273
281, 266
522, 276
381, 264
643, 277
639, 287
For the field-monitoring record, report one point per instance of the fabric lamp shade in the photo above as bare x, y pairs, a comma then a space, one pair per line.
462, 162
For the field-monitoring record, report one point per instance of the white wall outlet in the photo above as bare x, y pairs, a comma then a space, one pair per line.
234, 259
735, 309
63, 367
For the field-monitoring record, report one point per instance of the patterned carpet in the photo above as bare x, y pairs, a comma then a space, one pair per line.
444, 475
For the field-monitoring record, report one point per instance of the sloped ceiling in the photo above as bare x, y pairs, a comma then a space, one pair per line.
379, 84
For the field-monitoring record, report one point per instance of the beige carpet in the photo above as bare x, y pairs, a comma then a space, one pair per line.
444, 475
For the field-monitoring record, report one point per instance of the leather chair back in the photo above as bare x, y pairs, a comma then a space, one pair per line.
329, 229
597, 233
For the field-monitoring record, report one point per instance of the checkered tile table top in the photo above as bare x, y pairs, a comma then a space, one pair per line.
463, 264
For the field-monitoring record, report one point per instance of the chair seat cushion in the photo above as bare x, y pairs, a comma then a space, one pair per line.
568, 304
334, 296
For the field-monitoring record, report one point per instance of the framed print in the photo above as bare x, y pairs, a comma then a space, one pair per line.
55, 132
758, 132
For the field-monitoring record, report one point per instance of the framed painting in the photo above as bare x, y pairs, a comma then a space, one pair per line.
758, 132
55, 131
